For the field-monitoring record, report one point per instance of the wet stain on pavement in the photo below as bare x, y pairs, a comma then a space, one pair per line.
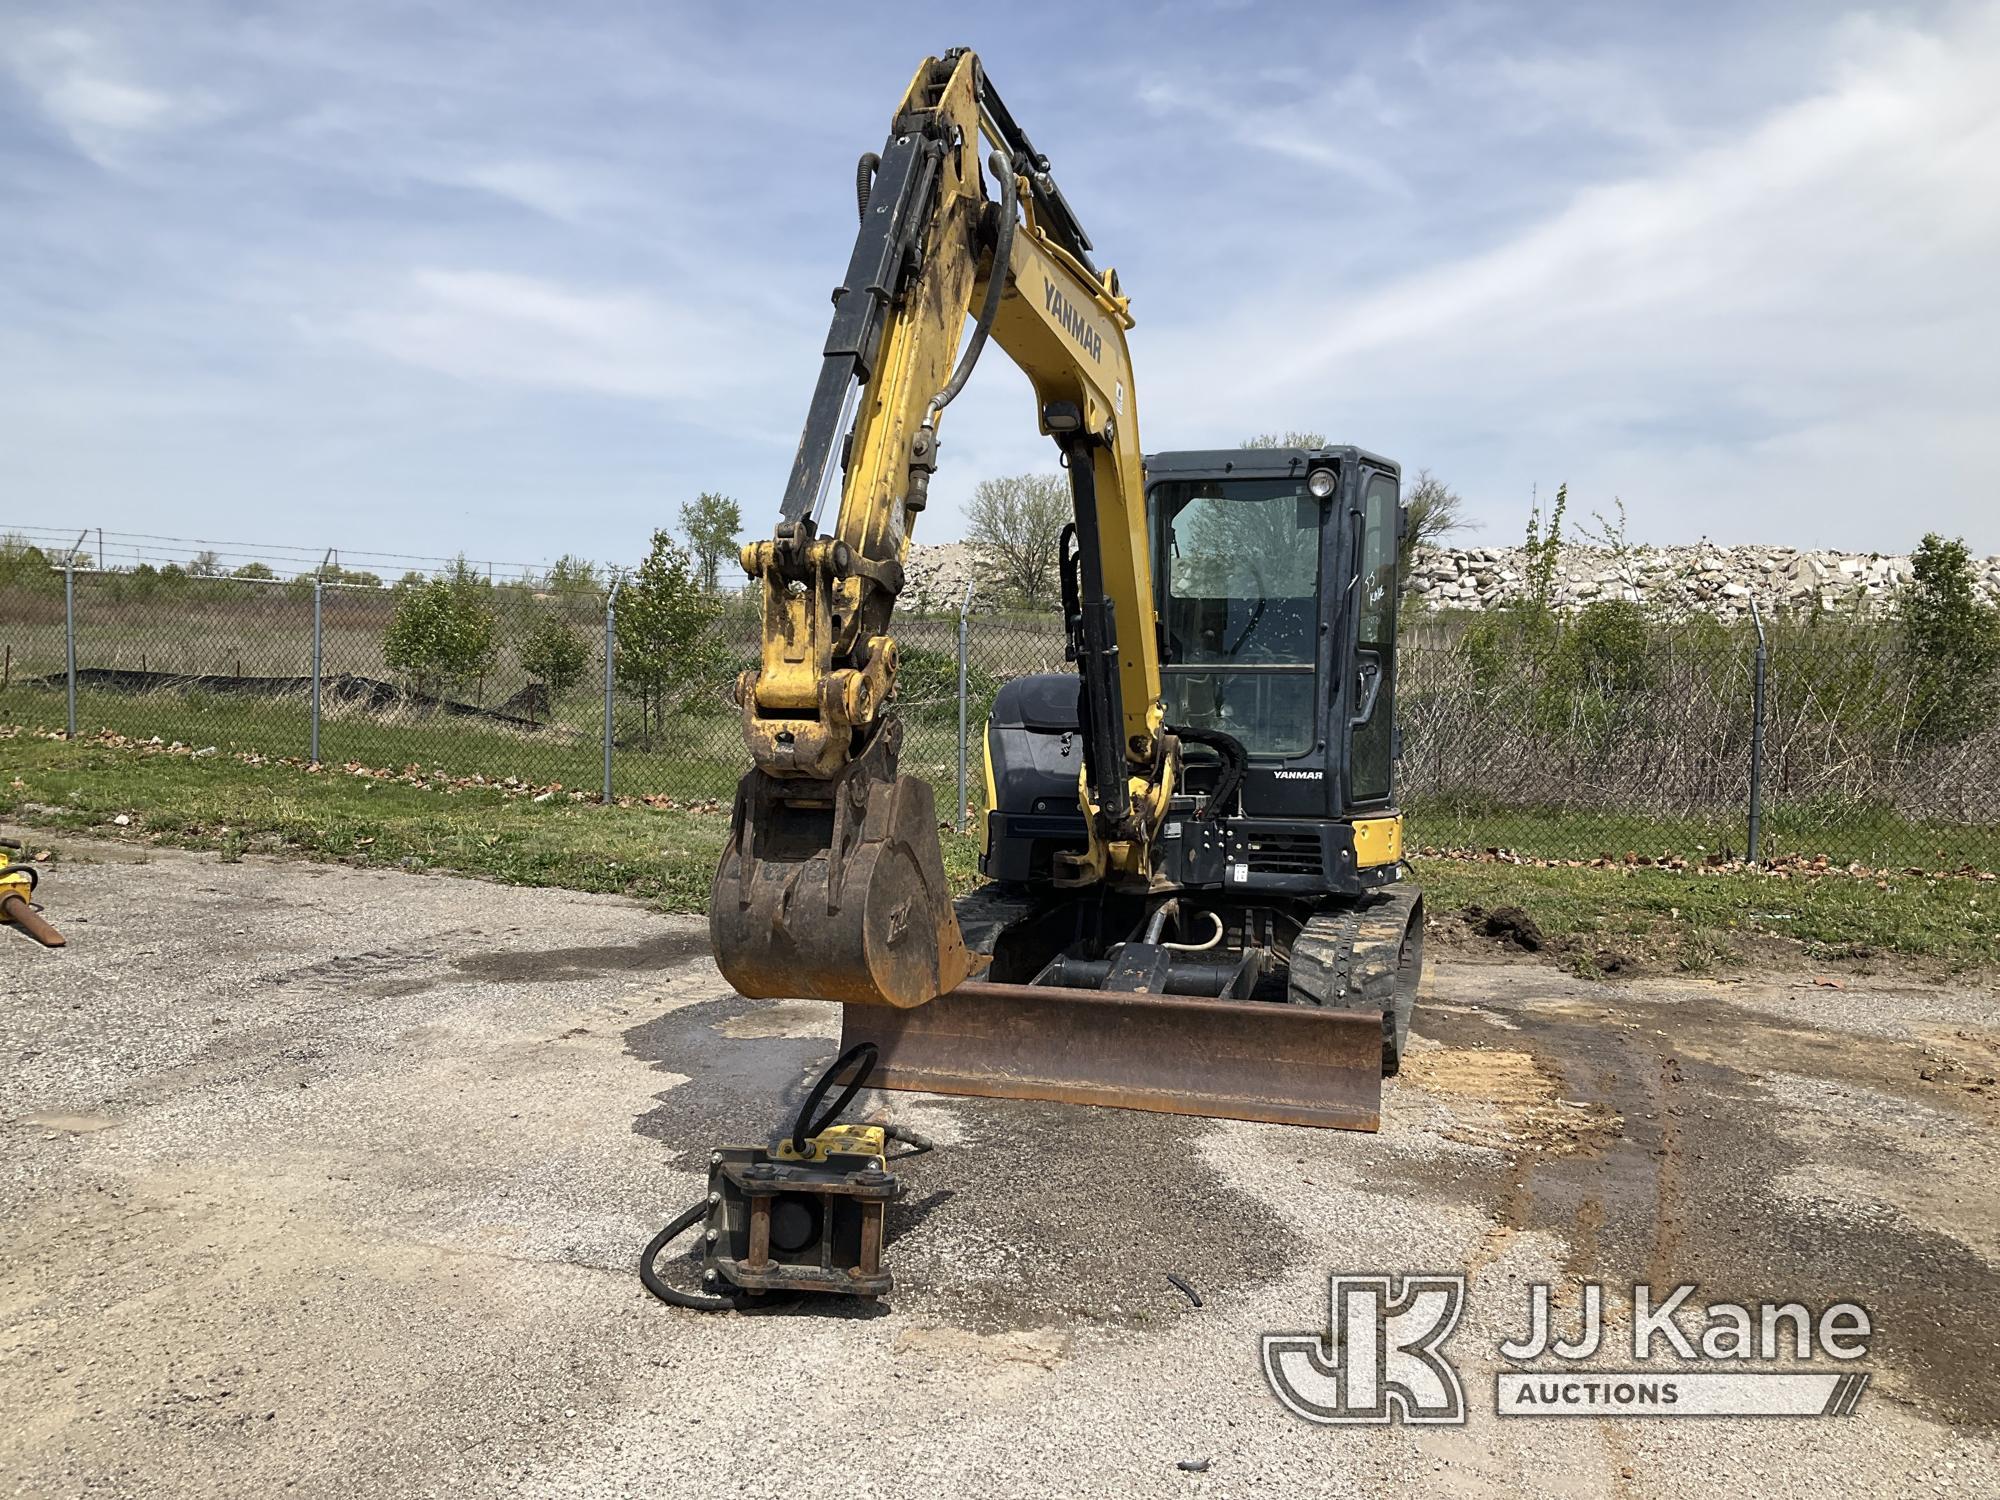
1045, 1215
559, 965
1683, 1189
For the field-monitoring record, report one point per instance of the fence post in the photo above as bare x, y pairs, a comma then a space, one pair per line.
964, 614
319, 666
610, 652
1757, 735
69, 638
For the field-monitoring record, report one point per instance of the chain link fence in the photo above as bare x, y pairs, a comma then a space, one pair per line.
1635, 748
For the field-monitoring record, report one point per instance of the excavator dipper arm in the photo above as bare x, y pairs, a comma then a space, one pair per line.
832, 884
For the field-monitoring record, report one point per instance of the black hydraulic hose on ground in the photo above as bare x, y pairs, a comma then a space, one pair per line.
690, 1216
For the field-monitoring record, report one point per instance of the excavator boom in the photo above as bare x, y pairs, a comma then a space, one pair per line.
832, 885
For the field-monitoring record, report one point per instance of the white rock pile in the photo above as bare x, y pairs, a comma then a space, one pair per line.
1717, 580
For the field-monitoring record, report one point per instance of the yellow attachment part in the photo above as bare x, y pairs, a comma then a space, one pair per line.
16, 883
1378, 841
853, 1140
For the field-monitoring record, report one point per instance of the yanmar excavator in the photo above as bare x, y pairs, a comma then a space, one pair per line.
1194, 856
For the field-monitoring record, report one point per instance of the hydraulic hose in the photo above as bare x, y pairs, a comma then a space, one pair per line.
862, 1055
996, 286
864, 181
1214, 940
1235, 761
690, 1216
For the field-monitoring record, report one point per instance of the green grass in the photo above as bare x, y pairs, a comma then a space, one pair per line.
695, 756
1693, 921
668, 856
217, 802
1844, 832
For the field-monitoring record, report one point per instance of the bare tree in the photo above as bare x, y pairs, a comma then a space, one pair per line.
1436, 511
1286, 440
1017, 523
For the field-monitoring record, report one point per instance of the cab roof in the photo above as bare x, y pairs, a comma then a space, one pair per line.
1211, 463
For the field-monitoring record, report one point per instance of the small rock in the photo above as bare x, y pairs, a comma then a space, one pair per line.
1193, 1466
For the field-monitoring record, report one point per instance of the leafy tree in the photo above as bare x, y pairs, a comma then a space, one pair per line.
666, 640
443, 628
1434, 511
569, 574
1951, 640
1017, 523
254, 570
204, 565
927, 687
556, 654
711, 523
25, 566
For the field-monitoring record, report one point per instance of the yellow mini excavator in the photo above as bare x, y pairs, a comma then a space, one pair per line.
1192, 846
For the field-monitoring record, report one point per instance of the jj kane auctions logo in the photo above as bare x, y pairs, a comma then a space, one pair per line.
1380, 1357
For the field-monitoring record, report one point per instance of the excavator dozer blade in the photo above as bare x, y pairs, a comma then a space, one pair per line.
1230, 1059
841, 897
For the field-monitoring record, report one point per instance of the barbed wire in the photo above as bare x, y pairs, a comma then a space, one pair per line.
138, 547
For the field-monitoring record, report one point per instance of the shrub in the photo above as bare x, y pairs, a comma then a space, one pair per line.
927, 687
1951, 641
556, 654
442, 631
667, 646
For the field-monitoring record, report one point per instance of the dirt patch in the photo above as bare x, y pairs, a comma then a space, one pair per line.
72, 1124
1714, 1103
1507, 1100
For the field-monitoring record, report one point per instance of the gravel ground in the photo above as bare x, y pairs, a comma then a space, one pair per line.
323, 1181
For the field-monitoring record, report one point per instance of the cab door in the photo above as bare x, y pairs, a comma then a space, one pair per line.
1371, 623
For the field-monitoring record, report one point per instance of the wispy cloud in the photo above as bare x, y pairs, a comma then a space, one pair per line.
87, 91
532, 331
1297, 132
1825, 272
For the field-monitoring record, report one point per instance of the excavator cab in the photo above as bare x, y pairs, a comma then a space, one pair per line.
1275, 587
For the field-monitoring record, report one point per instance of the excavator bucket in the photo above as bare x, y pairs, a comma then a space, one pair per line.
835, 890
1230, 1059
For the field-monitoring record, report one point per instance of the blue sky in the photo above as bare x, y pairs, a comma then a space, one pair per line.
518, 279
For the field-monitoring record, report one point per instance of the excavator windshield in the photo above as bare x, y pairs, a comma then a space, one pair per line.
1238, 566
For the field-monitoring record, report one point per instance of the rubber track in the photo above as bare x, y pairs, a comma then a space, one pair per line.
1347, 959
